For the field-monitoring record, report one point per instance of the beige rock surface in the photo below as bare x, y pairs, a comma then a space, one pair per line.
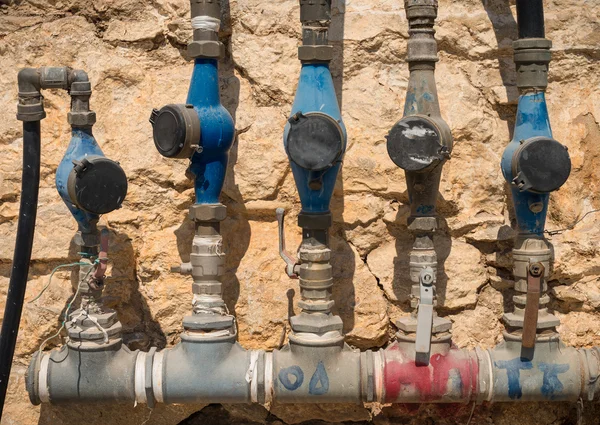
135, 55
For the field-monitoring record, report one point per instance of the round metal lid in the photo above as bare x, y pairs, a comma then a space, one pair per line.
97, 185
415, 143
541, 165
315, 141
175, 128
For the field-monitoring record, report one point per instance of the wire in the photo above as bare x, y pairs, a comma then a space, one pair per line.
79, 263
559, 231
66, 315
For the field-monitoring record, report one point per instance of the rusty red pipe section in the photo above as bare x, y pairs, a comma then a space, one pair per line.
450, 377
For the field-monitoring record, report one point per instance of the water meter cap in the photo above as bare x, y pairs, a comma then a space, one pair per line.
415, 143
540, 165
176, 130
315, 141
97, 184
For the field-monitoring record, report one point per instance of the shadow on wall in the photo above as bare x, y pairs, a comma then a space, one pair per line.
505, 29
404, 241
342, 255
236, 228
140, 330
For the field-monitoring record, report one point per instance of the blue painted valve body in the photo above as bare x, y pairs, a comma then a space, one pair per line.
82, 144
316, 93
531, 121
217, 132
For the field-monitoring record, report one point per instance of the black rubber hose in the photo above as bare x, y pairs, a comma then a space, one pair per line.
530, 18
20, 267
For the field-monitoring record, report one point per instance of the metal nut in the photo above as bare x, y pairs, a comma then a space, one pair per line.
315, 53
80, 119
206, 49
208, 212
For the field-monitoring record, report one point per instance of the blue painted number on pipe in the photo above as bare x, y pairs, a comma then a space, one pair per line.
551, 385
292, 371
292, 378
550, 381
319, 383
513, 371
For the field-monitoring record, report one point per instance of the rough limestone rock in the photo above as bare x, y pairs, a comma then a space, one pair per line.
135, 55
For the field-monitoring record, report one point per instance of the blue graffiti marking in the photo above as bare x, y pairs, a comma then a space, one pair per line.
513, 371
319, 383
550, 383
296, 372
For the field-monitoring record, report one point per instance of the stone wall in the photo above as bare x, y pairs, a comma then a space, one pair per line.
135, 54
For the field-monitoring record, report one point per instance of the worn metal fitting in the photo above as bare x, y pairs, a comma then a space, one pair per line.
210, 8
316, 323
314, 255
84, 326
80, 88
81, 119
207, 288
532, 56
425, 224
314, 221
206, 49
320, 53
54, 77
316, 306
207, 322
208, 212
315, 10
31, 112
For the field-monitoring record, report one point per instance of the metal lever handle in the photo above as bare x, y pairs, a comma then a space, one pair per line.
97, 279
424, 315
535, 273
291, 262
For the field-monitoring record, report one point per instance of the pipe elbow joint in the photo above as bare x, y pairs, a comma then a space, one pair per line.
30, 106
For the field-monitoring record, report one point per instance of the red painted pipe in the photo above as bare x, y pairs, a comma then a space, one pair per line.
450, 376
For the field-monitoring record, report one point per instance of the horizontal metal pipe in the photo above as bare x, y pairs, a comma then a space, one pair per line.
219, 370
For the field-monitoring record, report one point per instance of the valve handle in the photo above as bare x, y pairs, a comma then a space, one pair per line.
535, 273
291, 262
425, 315
98, 278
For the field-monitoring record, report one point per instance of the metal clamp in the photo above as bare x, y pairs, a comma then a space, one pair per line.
535, 273
425, 313
291, 263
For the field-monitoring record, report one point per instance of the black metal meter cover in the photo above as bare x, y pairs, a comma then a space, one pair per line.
541, 165
97, 184
315, 141
415, 143
176, 130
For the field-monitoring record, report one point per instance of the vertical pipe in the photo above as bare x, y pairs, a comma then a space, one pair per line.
530, 18
23, 245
